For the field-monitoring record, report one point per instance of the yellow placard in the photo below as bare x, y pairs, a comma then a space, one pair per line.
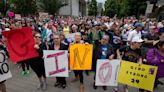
80, 56
137, 75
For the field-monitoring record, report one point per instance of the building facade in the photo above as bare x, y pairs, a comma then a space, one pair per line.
74, 8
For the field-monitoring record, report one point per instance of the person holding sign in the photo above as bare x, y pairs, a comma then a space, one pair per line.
131, 53
37, 64
78, 73
155, 57
102, 51
60, 81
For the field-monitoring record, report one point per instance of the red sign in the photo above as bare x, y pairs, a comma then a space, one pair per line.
20, 44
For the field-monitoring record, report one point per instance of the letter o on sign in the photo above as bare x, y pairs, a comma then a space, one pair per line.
5, 68
2, 57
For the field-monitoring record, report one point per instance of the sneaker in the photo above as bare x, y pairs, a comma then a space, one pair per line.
44, 86
64, 86
23, 73
28, 73
104, 88
56, 84
40, 86
126, 89
76, 79
115, 89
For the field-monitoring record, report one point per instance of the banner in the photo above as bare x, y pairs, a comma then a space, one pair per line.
137, 75
70, 37
80, 56
4, 67
107, 72
56, 63
43, 15
18, 16
20, 44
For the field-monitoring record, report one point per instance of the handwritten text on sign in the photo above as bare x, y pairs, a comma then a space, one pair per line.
4, 68
20, 44
136, 75
56, 63
80, 56
106, 72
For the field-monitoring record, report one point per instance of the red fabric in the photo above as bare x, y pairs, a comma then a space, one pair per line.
20, 44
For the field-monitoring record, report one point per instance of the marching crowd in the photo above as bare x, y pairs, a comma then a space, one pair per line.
131, 39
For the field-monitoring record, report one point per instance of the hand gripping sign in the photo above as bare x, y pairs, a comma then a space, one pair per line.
4, 68
107, 72
20, 44
56, 63
137, 75
80, 56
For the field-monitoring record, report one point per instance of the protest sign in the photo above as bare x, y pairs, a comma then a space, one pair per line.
137, 75
70, 37
10, 14
107, 72
80, 56
18, 16
20, 44
4, 67
43, 15
56, 63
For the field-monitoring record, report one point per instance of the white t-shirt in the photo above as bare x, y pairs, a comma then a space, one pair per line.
133, 34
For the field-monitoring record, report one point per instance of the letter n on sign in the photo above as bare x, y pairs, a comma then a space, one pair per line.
80, 56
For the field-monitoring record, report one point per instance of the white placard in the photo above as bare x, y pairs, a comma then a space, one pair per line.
149, 8
4, 67
18, 16
56, 63
107, 72
70, 37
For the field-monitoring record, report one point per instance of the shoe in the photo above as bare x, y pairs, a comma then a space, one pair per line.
94, 86
23, 73
28, 73
76, 79
56, 84
115, 89
44, 87
126, 89
40, 86
64, 86
81, 88
104, 88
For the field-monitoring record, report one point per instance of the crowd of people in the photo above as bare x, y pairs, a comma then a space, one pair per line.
131, 39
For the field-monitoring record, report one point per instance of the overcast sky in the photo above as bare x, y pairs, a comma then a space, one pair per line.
101, 1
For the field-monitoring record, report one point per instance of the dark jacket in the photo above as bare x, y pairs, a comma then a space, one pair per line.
97, 53
62, 47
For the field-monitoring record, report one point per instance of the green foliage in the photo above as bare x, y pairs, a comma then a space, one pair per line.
92, 11
4, 6
52, 6
125, 7
24, 7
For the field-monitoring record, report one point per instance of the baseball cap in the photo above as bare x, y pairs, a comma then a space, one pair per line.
137, 39
138, 25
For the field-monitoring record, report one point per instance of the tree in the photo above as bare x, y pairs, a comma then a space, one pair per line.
111, 8
24, 7
92, 11
52, 6
125, 7
4, 4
